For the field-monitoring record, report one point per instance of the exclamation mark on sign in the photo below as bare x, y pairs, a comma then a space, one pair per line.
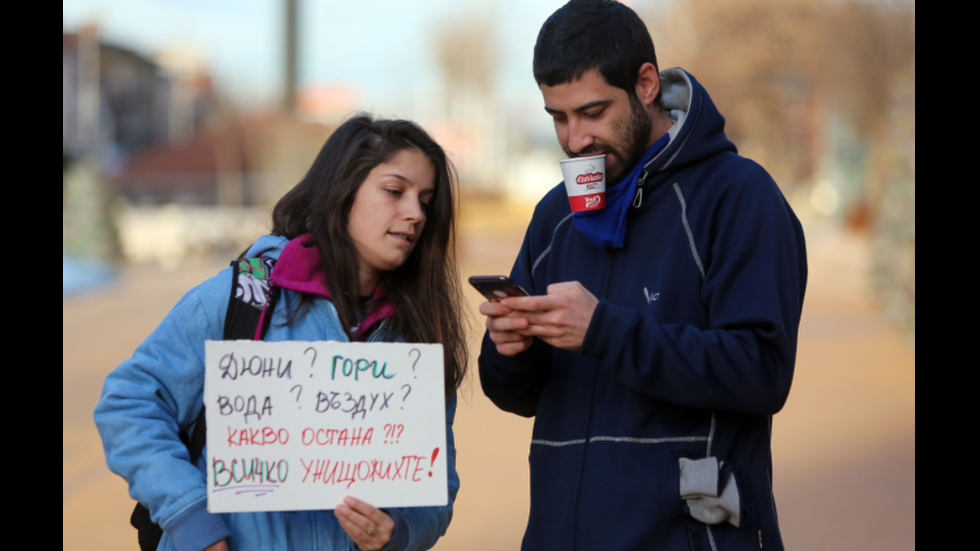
435, 454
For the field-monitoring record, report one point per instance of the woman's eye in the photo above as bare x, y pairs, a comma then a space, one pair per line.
395, 192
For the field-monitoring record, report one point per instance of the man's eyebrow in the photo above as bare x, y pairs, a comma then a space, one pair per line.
586, 107
593, 104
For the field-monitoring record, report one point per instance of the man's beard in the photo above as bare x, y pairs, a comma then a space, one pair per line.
633, 139
631, 142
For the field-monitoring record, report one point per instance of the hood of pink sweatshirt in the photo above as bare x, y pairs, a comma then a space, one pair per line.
298, 269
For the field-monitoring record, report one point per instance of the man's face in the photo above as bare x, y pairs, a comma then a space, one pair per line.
592, 117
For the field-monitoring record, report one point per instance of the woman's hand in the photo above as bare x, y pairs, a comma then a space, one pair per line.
369, 527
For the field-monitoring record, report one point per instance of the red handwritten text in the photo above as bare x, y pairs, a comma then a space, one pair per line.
337, 437
265, 436
343, 472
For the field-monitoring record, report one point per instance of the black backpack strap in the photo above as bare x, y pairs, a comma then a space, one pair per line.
147, 533
249, 281
251, 292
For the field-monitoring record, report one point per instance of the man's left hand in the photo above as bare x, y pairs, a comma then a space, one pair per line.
559, 318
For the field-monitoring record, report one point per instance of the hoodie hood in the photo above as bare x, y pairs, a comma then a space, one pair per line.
699, 129
268, 246
298, 269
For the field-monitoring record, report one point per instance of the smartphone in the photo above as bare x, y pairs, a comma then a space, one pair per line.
496, 287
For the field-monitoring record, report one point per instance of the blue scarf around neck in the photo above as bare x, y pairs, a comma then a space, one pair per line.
607, 227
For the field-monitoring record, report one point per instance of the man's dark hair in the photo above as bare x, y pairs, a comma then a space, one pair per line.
593, 34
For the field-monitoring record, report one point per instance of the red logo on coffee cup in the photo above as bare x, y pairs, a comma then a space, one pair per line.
580, 203
589, 178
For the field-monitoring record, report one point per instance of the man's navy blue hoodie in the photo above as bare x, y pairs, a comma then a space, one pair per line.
689, 354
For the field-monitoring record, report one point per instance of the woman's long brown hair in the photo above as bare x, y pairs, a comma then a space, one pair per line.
425, 290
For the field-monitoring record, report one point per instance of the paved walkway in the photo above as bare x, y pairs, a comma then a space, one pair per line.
844, 446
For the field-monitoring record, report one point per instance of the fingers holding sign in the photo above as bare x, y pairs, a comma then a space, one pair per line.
368, 526
560, 318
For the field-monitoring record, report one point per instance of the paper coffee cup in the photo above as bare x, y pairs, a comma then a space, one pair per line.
585, 182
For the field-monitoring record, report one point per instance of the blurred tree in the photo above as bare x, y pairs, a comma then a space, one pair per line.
867, 45
466, 53
891, 194
756, 57
778, 68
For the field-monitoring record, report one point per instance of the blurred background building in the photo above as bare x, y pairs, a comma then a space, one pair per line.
184, 122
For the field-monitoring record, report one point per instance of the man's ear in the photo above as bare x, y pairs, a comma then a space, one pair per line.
648, 84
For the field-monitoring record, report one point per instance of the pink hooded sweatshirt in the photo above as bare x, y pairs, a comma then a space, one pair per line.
298, 269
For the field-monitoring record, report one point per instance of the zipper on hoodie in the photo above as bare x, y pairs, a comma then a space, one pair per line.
588, 423
374, 333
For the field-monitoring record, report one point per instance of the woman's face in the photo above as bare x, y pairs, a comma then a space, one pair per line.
388, 214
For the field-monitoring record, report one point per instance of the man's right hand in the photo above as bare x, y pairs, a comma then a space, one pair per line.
504, 325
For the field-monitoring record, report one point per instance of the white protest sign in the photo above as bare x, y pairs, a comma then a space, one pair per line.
299, 425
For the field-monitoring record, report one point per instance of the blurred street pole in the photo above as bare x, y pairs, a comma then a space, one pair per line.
292, 39
88, 92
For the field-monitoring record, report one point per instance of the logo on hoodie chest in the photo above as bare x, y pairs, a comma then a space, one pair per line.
651, 297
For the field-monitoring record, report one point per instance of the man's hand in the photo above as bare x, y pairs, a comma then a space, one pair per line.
559, 318
504, 326
368, 526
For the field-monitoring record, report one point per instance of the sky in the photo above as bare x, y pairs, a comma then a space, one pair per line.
383, 46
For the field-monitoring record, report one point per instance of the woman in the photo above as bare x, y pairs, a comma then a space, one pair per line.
363, 252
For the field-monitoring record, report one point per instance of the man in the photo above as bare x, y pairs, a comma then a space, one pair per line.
660, 336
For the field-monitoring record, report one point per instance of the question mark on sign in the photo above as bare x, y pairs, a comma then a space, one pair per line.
416, 350
407, 392
297, 393
310, 349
